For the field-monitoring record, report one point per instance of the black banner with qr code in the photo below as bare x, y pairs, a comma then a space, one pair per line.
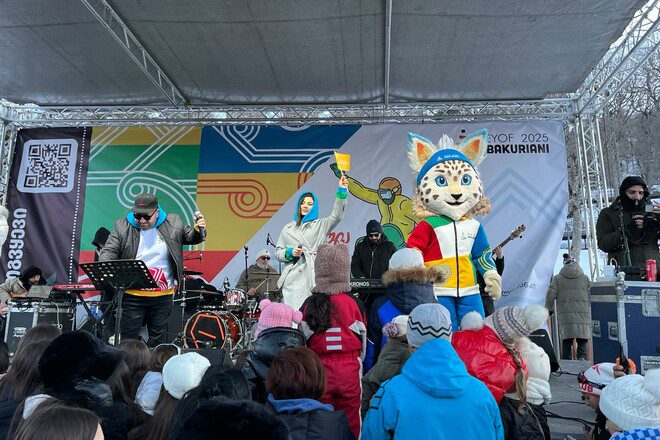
45, 202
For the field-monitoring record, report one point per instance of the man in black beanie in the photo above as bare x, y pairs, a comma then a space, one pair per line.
372, 253
100, 237
19, 286
640, 227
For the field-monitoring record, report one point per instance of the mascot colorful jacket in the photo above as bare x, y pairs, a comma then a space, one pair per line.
448, 195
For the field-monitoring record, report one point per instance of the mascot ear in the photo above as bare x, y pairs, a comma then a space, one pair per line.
474, 146
420, 150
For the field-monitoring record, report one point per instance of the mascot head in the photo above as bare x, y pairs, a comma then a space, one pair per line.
447, 179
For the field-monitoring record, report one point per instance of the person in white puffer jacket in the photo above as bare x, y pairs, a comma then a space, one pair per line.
529, 421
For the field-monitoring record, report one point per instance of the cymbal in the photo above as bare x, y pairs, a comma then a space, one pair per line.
192, 272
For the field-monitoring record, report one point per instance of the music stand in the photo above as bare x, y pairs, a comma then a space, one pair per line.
119, 275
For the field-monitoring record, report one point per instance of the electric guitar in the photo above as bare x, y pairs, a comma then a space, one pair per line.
515, 234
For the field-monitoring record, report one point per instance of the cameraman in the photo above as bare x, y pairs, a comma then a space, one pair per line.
639, 226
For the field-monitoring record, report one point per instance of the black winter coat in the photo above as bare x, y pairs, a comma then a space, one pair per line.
643, 243
318, 425
371, 261
7, 410
256, 362
532, 425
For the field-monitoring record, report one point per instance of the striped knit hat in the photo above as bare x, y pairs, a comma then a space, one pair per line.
512, 323
426, 322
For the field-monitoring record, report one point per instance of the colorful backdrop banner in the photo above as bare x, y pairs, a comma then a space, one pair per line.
245, 179
45, 201
524, 176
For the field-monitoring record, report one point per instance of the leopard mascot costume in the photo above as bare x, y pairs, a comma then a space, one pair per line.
448, 195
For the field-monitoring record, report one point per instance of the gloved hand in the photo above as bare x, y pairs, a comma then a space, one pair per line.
335, 169
93, 393
493, 284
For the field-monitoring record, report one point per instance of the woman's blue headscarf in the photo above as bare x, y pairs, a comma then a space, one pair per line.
313, 213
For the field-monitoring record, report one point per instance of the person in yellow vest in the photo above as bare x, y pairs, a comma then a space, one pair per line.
149, 234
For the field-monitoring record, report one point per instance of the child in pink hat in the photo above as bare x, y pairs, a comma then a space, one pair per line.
275, 314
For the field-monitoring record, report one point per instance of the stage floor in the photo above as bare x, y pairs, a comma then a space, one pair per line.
567, 401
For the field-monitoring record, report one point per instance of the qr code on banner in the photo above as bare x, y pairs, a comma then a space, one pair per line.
48, 166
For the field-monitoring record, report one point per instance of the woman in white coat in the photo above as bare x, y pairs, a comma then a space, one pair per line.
299, 240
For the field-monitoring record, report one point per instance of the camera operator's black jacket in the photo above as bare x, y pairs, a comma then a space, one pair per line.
643, 243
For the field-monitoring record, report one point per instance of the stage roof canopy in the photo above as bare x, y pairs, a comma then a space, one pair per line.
55, 52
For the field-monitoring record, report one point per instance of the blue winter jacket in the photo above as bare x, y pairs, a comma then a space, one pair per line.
434, 397
406, 289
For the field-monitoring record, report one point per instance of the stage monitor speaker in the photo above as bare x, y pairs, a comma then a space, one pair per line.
174, 325
540, 337
215, 356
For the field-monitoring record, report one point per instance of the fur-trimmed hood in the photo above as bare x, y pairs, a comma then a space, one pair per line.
409, 287
418, 275
420, 211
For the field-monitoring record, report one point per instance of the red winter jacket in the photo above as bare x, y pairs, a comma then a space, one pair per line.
487, 359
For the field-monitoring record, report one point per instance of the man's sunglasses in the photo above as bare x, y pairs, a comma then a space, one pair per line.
137, 216
375, 235
265, 258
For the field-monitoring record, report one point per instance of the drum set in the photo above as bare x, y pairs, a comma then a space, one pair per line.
222, 319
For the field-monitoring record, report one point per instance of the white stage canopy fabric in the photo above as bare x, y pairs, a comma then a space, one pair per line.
55, 52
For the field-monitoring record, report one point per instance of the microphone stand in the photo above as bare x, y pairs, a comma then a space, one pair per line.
247, 273
626, 248
269, 242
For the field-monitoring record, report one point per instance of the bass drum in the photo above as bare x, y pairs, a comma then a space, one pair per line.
212, 329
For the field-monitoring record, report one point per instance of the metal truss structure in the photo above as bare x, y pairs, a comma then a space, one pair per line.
33, 116
617, 67
8, 134
621, 62
112, 22
579, 111
593, 185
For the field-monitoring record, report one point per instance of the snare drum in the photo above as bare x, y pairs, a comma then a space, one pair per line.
234, 299
212, 329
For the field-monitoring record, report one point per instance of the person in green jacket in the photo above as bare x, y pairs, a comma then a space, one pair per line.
394, 354
639, 227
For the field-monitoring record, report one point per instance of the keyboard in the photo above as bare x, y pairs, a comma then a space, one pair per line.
366, 283
73, 287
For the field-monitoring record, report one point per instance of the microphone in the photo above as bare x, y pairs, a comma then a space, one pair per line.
201, 230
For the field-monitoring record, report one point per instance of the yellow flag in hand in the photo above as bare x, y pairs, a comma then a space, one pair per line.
343, 161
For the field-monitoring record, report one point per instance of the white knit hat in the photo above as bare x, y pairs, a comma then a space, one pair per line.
263, 253
594, 379
183, 372
633, 402
406, 258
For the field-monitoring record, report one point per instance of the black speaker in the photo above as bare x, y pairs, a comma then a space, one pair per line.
540, 337
174, 325
215, 356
